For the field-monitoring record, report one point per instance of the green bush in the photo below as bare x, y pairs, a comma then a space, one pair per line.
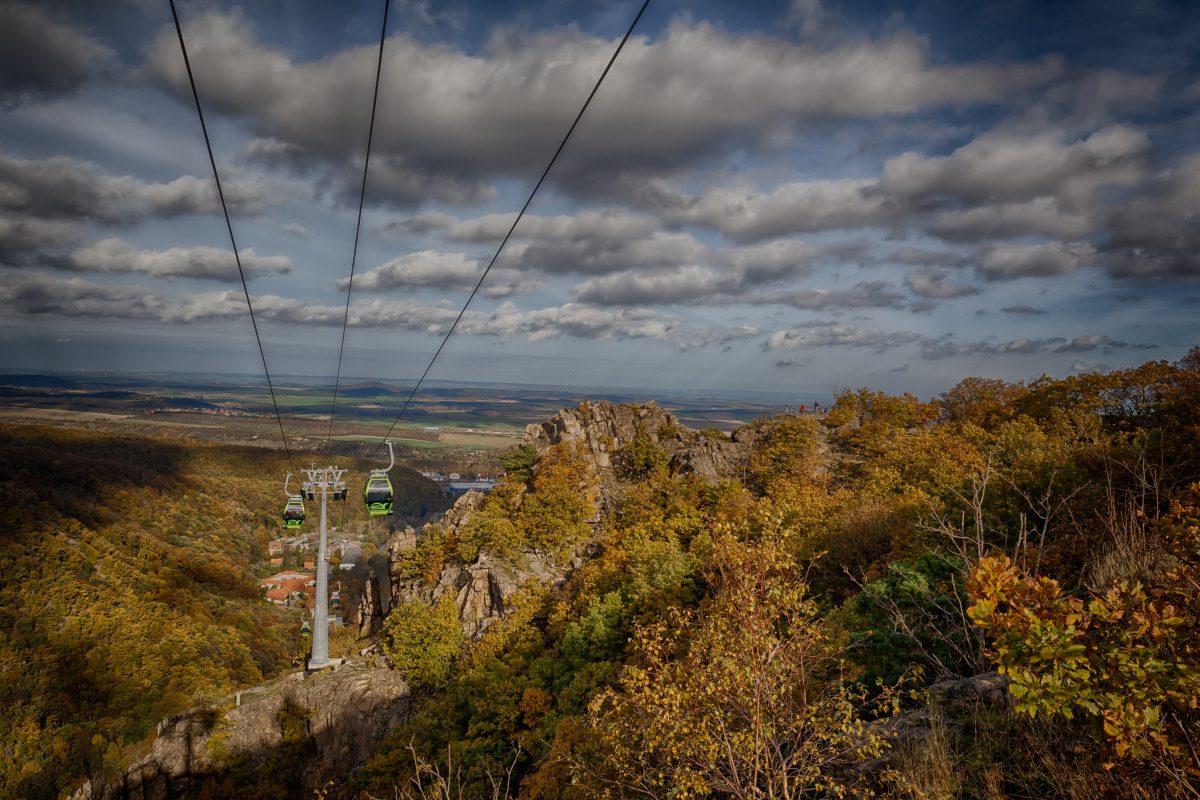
423, 641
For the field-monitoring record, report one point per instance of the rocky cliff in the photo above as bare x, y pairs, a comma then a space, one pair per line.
605, 430
337, 716
481, 589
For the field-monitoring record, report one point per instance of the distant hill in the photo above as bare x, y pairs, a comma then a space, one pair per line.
151, 403
369, 390
40, 381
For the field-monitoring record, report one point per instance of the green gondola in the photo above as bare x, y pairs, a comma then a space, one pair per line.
293, 512
305, 629
378, 494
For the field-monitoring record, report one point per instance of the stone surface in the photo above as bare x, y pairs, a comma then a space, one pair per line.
604, 429
347, 712
370, 607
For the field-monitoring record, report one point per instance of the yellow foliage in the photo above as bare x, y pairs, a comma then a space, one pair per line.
741, 699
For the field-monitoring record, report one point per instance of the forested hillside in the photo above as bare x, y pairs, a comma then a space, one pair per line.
757, 636
126, 592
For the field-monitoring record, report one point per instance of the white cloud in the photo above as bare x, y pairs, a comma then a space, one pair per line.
931, 283
1010, 261
430, 268
948, 346
455, 117
1042, 215
1004, 166
834, 334
115, 256
65, 188
42, 294
744, 214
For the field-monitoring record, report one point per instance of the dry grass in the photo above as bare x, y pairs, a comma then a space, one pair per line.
925, 768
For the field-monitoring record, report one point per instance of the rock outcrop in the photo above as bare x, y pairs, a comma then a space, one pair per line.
370, 607
604, 430
481, 589
342, 714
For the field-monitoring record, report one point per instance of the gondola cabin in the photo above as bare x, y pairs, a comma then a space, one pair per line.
305, 629
293, 512
378, 494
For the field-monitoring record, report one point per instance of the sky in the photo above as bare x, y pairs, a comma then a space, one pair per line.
786, 196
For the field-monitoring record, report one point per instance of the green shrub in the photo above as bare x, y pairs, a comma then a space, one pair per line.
423, 641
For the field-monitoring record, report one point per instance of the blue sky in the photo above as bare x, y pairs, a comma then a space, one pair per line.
789, 196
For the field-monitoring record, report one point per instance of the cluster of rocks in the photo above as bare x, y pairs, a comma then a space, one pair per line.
604, 430
482, 589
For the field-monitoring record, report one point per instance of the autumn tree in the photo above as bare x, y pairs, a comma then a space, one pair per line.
740, 699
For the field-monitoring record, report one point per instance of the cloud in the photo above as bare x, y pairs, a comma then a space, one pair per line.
1042, 215
38, 294
834, 334
931, 283
868, 294
42, 294
918, 257
727, 276
455, 119
41, 56
947, 346
1084, 344
676, 286
430, 268
115, 256
1156, 232
1002, 184
64, 188
1001, 262
1005, 166
295, 229
745, 215
21, 237
425, 222
1028, 310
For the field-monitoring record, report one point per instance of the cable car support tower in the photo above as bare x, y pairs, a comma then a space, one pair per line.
322, 482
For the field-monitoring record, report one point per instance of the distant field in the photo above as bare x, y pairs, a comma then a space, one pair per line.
60, 414
421, 443
479, 439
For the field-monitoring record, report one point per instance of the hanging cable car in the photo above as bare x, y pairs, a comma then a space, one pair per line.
293, 512
378, 493
305, 629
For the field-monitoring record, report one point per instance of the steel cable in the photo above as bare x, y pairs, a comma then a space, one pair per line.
520, 214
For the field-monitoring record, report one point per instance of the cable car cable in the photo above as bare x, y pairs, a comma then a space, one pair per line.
362, 194
517, 221
229, 226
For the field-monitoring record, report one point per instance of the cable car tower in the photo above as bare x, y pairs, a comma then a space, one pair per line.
323, 482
